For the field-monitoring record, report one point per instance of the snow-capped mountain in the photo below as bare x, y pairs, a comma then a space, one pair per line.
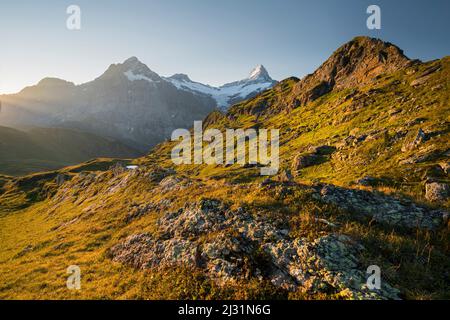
128, 102
230, 93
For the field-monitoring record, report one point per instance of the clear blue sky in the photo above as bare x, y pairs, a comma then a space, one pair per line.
210, 40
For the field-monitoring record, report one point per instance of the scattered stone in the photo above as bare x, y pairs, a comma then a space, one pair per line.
138, 211
394, 112
252, 165
328, 223
351, 141
423, 78
158, 174
426, 154
437, 87
24, 251
433, 173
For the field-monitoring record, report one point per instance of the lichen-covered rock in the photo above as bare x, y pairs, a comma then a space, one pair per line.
224, 243
382, 208
437, 191
139, 210
329, 262
142, 251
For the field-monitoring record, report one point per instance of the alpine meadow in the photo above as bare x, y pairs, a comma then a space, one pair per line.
331, 185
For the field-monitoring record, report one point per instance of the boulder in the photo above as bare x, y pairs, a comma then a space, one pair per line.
414, 141
312, 156
437, 191
322, 150
382, 208
305, 160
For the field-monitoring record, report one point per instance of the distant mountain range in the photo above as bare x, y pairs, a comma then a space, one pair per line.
128, 102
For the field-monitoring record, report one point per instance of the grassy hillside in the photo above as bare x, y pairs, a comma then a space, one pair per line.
363, 159
41, 149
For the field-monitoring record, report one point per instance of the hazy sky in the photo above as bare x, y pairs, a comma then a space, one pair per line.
213, 41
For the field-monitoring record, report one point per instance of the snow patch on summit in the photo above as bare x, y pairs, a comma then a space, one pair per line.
258, 81
134, 77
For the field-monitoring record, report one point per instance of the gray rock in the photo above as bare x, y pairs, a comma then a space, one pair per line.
382, 208
305, 160
328, 263
322, 150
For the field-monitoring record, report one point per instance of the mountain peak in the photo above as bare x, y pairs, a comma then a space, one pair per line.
134, 64
132, 61
355, 64
54, 82
363, 58
181, 77
133, 69
259, 72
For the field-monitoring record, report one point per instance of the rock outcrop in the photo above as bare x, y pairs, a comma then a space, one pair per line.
356, 63
227, 244
311, 156
382, 208
437, 191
